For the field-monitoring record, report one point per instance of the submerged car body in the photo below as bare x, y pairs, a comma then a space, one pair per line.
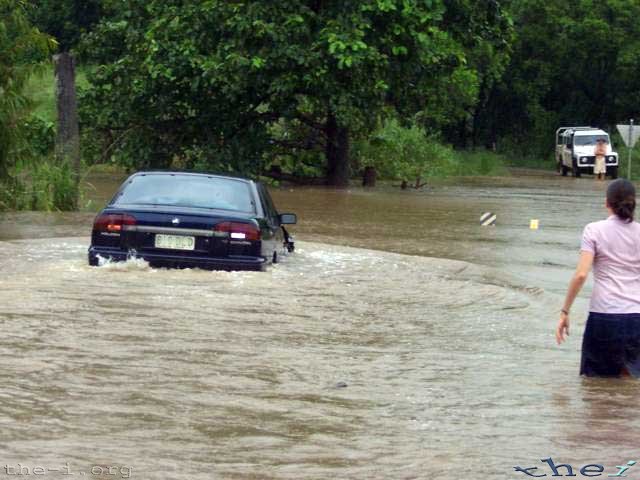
188, 220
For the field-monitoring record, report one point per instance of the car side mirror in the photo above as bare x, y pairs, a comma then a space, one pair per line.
288, 218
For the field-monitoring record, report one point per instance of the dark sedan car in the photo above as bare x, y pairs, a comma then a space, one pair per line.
176, 219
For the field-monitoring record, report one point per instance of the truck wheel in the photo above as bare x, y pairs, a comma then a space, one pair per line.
574, 169
613, 172
565, 170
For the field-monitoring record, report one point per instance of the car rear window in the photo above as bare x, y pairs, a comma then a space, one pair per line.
187, 191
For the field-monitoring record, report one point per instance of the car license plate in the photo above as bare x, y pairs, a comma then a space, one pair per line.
175, 242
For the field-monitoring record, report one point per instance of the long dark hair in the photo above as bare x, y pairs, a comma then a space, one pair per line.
621, 197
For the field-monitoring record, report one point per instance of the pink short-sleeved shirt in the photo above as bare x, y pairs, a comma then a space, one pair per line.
615, 245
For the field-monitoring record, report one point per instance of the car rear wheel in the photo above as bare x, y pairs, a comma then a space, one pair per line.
275, 257
613, 172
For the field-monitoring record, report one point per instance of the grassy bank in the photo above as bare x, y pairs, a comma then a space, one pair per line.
42, 185
37, 181
41, 89
623, 153
523, 161
479, 163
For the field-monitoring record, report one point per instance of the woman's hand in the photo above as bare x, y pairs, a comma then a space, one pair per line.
563, 328
582, 272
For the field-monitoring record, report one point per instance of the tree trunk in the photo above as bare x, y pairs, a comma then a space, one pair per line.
337, 153
369, 177
68, 136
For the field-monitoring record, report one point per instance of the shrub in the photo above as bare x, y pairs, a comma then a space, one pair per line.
411, 155
39, 186
405, 153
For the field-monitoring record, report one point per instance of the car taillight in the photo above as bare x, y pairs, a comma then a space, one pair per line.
238, 231
114, 223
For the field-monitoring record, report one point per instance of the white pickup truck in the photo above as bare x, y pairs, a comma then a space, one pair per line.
575, 151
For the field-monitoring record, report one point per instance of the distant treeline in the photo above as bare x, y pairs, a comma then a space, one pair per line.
323, 88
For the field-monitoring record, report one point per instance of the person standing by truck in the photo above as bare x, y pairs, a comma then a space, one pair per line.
600, 167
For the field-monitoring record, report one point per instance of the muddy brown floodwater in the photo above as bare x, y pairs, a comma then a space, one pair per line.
402, 340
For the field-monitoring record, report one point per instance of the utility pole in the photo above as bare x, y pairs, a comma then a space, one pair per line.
68, 136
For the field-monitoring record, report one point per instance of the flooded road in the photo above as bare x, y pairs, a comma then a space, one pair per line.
432, 359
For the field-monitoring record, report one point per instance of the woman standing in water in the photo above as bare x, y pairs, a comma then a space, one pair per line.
611, 343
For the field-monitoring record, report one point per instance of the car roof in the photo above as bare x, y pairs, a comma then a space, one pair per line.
194, 174
595, 131
564, 129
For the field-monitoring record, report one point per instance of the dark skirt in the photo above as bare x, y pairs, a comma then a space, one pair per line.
611, 345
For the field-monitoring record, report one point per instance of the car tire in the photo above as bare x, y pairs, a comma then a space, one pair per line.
275, 259
613, 172
575, 171
565, 170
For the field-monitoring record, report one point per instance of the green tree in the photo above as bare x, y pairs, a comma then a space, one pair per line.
20, 43
573, 63
485, 30
206, 80
66, 20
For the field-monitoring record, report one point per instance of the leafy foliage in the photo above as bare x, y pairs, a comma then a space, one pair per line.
19, 44
66, 20
315, 86
573, 63
45, 185
405, 153
410, 155
213, 77
40, 137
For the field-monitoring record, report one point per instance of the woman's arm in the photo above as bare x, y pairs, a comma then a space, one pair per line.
582, 272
